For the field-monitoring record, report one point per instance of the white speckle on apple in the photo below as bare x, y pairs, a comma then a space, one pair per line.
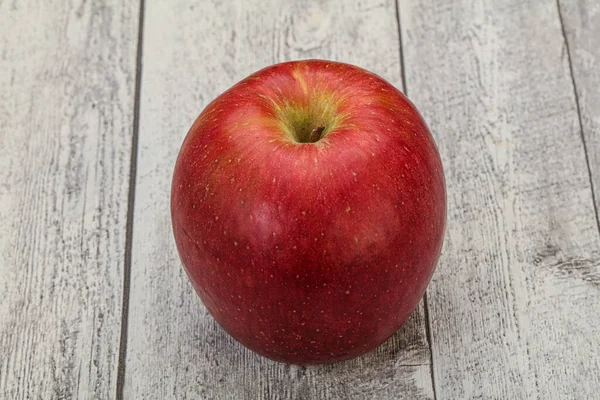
348, 209
235, 243
216, 217
347, 292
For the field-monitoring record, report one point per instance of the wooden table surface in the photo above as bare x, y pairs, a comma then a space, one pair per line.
96, 97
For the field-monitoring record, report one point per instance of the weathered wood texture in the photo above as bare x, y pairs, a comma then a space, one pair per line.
192, 52
66, 105
581, 24
514, 302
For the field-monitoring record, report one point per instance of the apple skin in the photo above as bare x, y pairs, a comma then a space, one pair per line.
309, 253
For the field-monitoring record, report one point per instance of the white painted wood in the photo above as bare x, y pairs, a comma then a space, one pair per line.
192, 52
514, 302
66, 96
581, 23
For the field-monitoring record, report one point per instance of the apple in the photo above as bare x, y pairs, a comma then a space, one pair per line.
308, 206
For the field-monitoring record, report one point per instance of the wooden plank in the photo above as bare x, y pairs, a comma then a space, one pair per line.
514, 303
66, 113
581, 26
192, 53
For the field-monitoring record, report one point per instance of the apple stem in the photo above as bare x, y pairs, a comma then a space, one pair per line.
316, 133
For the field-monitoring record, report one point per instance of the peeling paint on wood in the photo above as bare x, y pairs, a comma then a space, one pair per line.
514, 302
66, 94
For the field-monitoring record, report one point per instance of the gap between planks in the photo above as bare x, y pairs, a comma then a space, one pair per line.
577, 105
122, 358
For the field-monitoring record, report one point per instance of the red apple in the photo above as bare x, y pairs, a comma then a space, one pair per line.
309, 207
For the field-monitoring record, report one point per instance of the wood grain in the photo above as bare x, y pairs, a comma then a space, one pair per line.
66, 95
192, 52
581, 25
514, 303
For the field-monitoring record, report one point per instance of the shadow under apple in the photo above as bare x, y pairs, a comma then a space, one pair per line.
399, 368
